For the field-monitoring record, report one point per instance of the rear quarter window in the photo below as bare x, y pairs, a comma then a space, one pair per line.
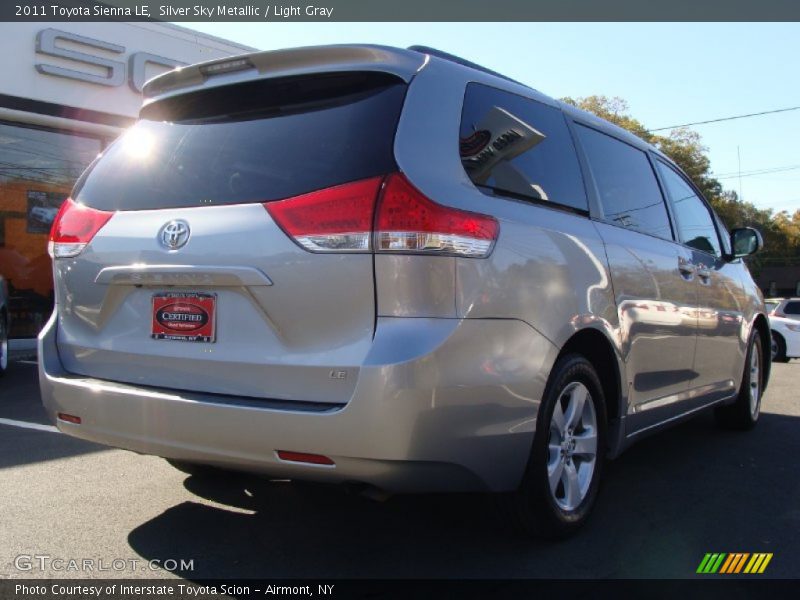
516, 147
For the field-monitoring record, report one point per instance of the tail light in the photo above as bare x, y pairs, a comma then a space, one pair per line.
337, 219
74, 227
345, 219
408, 221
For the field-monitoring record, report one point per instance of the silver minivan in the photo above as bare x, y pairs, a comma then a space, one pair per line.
396, 270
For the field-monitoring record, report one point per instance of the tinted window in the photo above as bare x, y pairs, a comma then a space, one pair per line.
628, 187
792, 308
513, 146
253, 142
694, 222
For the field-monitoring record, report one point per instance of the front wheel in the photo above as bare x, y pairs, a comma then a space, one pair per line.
744, 412
562, 479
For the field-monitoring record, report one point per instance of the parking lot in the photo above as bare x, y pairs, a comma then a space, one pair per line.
666, 502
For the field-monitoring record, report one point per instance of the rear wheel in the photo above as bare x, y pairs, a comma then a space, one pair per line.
743, 413
778, 348
562, 479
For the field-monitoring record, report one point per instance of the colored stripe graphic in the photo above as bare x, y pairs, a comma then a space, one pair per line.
733, 563
729, 563
741, 562
758, 563
765, 563
711, 562
703, 563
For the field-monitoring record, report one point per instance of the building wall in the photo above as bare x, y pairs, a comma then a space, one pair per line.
779, 281
68, 89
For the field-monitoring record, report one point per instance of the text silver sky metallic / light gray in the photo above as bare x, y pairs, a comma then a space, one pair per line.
413, 275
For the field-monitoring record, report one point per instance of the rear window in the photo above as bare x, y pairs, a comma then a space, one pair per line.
252, 142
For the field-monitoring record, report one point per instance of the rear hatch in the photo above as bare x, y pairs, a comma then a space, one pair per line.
171, 269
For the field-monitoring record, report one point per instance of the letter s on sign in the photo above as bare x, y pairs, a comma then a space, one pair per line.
114, 70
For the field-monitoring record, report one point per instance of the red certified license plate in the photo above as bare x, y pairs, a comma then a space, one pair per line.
184, 316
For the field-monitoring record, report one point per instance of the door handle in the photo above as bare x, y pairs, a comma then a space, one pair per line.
686, 268
704, 273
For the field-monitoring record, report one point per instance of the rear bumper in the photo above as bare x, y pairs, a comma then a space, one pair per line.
440, 405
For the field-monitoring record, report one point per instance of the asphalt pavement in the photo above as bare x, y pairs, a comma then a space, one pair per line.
666, 502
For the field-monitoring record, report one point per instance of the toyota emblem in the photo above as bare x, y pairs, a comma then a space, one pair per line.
175, 234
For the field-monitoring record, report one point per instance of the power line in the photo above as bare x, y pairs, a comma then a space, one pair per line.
759, 170
757, 114
755, 173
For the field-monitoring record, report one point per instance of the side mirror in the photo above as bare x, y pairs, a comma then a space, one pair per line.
746, 241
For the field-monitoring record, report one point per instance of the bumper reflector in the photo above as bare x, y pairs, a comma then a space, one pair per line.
69, 418
303, 457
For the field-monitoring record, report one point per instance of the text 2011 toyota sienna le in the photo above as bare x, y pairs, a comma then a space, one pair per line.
394, 269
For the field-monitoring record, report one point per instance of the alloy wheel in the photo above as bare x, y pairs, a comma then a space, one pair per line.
755, 381
572, 447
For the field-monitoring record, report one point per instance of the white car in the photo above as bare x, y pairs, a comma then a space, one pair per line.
785, 338
784, 307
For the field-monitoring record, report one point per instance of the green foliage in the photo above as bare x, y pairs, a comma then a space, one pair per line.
781, 231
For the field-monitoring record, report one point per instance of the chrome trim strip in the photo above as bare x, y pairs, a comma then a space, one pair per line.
192, 275
680, 416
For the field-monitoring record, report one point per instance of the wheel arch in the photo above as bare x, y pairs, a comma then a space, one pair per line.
762, 328
598, 349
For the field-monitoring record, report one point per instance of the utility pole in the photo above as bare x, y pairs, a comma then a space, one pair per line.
739, 156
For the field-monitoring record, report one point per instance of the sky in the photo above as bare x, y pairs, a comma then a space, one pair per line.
669, 73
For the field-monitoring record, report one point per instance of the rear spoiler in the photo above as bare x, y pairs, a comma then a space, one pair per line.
296, 61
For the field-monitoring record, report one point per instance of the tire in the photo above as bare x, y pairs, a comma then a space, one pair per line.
744, 412
558, 510
3, 346
778, 348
